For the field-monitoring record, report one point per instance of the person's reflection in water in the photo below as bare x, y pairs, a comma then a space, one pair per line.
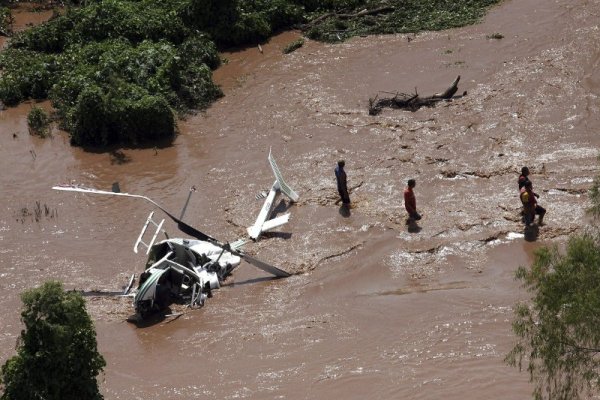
531, 232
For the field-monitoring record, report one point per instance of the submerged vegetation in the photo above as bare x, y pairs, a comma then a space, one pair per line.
293, 46
120, 71
38, 122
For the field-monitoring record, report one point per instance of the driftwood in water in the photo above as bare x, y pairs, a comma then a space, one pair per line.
413, 101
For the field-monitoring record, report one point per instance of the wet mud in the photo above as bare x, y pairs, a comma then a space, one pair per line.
376, 308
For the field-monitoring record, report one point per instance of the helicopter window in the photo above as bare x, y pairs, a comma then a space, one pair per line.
157, 252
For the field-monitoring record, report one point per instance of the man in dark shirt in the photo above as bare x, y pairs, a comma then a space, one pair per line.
410, 201
342, 182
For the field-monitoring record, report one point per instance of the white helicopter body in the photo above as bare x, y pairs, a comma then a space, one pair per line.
186, 270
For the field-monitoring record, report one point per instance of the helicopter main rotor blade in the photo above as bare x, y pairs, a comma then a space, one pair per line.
262, 265
185, 228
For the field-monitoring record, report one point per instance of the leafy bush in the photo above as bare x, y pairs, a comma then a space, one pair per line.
38, 122
127, 115
51, 37
113, 82
132, 20
26, 74
236, 22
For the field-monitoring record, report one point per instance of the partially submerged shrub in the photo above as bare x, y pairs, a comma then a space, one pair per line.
128, 116
114, 85
293, 46
38, 122
495, 36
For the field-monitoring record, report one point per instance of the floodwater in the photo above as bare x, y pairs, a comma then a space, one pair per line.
376, 309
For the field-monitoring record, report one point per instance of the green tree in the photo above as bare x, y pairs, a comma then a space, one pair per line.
57, 355
38, 122
558, 331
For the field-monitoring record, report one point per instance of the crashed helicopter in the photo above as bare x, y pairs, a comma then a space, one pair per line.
186, 270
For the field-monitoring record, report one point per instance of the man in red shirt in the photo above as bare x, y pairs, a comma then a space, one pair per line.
410, 202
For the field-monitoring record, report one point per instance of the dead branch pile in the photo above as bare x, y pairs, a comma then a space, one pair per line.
412, 101
359, 14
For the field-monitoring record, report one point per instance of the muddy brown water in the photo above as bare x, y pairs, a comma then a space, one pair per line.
374, 310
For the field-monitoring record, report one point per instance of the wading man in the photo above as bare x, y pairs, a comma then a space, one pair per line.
524, 177
342, 182
530, 206
410, 202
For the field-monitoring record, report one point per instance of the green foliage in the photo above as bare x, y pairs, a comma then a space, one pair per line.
26, 74
38, 122
57, 356
51, 37
212, 16
236, 22
127, 114
116, 92
558, 330
132, 20
293, 46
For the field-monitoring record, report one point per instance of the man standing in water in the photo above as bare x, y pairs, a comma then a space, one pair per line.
342, 183
530, 206
410, 202
524, 177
